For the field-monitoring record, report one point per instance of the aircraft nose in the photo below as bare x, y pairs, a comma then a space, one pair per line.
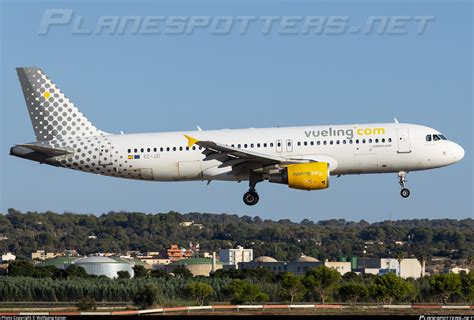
458, 152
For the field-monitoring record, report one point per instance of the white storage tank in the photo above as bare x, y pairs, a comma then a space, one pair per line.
104, 266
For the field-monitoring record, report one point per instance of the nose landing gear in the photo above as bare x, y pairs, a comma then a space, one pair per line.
405, 193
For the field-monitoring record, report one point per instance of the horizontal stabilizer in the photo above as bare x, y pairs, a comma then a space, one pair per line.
51, 152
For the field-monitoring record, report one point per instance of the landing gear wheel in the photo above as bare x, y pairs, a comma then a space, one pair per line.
251, 198
405, 193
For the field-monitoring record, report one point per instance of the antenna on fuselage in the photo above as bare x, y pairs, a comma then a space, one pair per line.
396, 120
199, 128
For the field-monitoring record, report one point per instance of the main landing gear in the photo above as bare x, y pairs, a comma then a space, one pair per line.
402, 175
251, 197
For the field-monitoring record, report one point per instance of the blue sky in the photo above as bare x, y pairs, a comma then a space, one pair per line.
162, 82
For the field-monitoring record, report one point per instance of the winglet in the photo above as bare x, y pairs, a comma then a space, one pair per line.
191, 141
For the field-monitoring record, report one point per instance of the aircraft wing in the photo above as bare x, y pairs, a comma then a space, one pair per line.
239, 158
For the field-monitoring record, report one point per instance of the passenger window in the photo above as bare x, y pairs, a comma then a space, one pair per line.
383, 140
258, 145
357, 141
318, 143
306, 143
174, 148
271, 144
251, 145
337, 141
278, 144
363, 140
161, 149
135, 150
325, 142
389, 139
239, 145
350, 141
344, 141
370, 140
331, 142
376, 140
167, 148
428, 137
148, 150
299, 143
265, 145
312, 143
129, 150
245, 145
180, 148
194, 147
142, 150
187, 148
154, 149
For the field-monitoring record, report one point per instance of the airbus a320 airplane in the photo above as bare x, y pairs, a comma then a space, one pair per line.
300, 157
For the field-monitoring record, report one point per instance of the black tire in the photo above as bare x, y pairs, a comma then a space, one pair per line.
405, 193
251, 198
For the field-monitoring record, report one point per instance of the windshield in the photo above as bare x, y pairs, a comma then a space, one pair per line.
435, 137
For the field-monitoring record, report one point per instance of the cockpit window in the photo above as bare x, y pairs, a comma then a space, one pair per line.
435, 137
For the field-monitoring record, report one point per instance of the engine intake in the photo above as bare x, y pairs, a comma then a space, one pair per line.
304, 176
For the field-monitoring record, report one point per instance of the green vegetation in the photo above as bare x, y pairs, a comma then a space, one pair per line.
200, 292
390, 287
283, 239
241, 291
237, 286
322, 282
147, 296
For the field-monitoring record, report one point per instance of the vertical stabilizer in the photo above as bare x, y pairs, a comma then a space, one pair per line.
53, 115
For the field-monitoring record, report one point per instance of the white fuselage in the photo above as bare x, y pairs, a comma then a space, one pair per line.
349, 149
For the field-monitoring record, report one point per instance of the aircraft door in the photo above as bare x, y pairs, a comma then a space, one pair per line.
279, 146
289, 145
403, 140
105, 155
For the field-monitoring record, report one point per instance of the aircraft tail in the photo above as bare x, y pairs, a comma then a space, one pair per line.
53, 115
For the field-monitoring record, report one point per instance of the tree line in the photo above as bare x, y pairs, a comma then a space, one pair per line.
26, 282
283, 239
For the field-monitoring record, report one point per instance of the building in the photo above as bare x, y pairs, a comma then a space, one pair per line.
154, 263
191, 224
152, 254
197, 266
459, 269
298, 266
405, 268
105, 266
235, 256
59, 262
342, 267
175, 253
42, 255
7, 257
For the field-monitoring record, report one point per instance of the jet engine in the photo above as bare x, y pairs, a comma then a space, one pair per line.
304, 176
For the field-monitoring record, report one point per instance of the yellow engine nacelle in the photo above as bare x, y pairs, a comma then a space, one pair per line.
304, 176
